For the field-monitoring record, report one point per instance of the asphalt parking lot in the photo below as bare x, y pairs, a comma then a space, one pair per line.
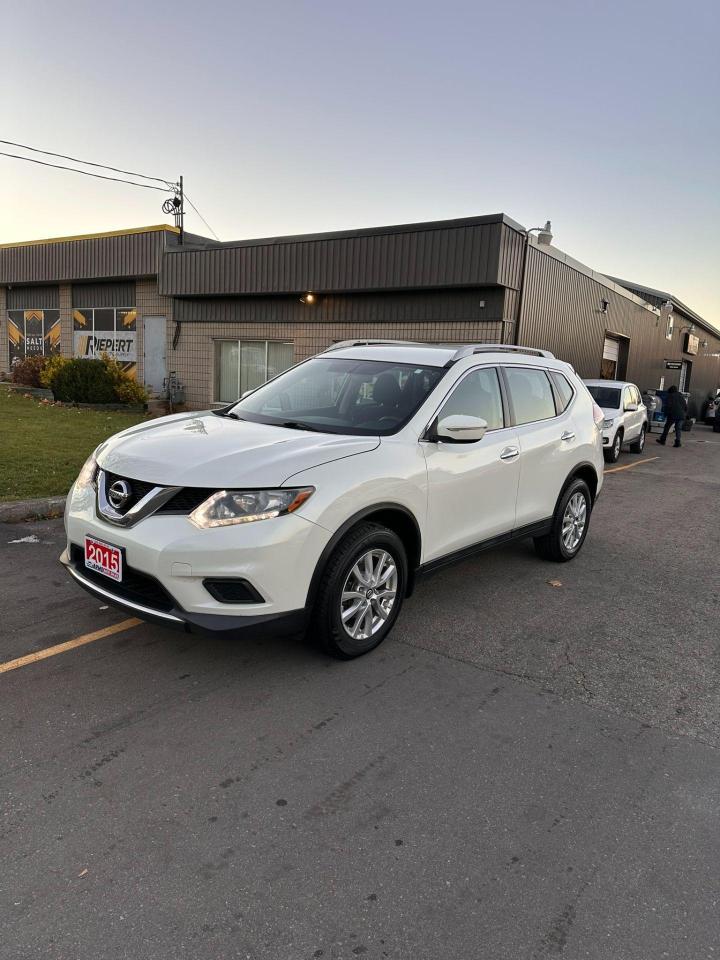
526, 769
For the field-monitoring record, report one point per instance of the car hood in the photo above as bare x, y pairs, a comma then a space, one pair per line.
205, 450
610, 414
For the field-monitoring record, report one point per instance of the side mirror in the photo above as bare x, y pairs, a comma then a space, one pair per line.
631, 408
246, 394
461, 429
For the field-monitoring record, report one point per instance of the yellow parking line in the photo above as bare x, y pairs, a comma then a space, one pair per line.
68, 645
629, 466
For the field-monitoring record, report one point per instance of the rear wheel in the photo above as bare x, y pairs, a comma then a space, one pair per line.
362, 592
612, 454
569, 525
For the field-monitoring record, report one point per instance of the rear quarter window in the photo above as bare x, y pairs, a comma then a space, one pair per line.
563, 390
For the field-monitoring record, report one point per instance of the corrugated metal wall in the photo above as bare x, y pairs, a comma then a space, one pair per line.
421, 257
33, 298
129, 255
563, 313
385, 308
121, 294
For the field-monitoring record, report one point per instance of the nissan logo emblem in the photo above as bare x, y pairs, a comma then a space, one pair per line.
119, 494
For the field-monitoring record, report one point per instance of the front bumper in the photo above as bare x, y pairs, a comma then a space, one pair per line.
278, 624
275, 557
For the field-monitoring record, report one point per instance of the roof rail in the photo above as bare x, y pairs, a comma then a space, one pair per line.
375, 343
471, 348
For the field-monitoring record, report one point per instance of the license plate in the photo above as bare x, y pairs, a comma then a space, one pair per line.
103, 558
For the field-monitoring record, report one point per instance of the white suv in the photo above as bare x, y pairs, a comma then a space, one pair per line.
626, 418
315, 501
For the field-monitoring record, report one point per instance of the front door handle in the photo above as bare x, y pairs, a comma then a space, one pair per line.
510, 453
568, 435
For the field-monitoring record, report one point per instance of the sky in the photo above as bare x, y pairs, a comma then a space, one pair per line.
292, 117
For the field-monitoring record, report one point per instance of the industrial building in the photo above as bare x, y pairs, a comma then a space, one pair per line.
227, 316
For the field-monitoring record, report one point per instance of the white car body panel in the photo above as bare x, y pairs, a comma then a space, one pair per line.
205, 450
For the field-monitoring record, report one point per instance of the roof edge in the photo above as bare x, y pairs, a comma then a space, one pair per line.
358, 232
156, 228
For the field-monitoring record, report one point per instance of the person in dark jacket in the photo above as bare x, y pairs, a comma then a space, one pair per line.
675, 413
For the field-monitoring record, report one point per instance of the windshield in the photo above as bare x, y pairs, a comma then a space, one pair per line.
605, 396
357, 397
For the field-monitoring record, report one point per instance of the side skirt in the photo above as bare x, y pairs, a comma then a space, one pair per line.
538, 529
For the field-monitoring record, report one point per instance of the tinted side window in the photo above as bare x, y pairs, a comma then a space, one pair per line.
477, 395
531, 394
564, 390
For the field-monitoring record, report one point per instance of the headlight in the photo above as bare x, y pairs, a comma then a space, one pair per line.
609, 423
244, 506
86, 477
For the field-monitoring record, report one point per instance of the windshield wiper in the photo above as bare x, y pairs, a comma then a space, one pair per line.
299, 425
227, 413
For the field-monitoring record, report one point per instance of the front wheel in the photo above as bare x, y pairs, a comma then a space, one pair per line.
637, 446
612, 454
362, 591
569, 526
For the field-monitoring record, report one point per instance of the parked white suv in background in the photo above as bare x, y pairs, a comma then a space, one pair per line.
626, 418
315, 501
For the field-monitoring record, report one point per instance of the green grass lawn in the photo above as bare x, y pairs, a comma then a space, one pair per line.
42, 447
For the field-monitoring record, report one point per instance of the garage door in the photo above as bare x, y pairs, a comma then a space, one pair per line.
611, 353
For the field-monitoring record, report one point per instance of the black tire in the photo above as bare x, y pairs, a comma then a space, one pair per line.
326, 625
612, 454
637, 446
552, 546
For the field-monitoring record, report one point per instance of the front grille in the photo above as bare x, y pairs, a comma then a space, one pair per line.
186, 500
136, 587
139, 489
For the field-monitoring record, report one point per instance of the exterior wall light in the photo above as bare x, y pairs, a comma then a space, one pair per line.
308, 298
604, 304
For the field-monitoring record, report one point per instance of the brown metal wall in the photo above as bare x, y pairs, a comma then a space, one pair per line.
129, 255
562, 313
119, 294
383, 309
458, 254
33, 298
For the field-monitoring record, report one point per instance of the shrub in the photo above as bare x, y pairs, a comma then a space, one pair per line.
28, 371
53, 365
92, 381
84, 381
127, 389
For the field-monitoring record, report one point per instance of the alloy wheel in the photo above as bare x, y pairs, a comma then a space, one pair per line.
368, 594
574, 522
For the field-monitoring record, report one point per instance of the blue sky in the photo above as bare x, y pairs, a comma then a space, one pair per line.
289, 117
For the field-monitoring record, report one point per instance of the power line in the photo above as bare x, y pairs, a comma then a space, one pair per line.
86, 173
86, 163
201, 217
169, 185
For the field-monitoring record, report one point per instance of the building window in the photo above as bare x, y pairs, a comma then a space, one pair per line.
33, 333
242, 365
106, 330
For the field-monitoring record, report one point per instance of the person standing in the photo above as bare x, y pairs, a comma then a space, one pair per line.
675, 413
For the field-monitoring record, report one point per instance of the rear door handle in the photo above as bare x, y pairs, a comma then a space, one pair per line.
568, 435
510, 453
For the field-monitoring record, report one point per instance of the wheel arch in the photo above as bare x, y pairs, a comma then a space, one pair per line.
583, 471
395, 517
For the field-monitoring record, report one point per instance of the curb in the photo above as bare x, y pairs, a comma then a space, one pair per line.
42, 509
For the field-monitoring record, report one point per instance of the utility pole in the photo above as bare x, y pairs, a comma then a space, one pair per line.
181, 214
176, 206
